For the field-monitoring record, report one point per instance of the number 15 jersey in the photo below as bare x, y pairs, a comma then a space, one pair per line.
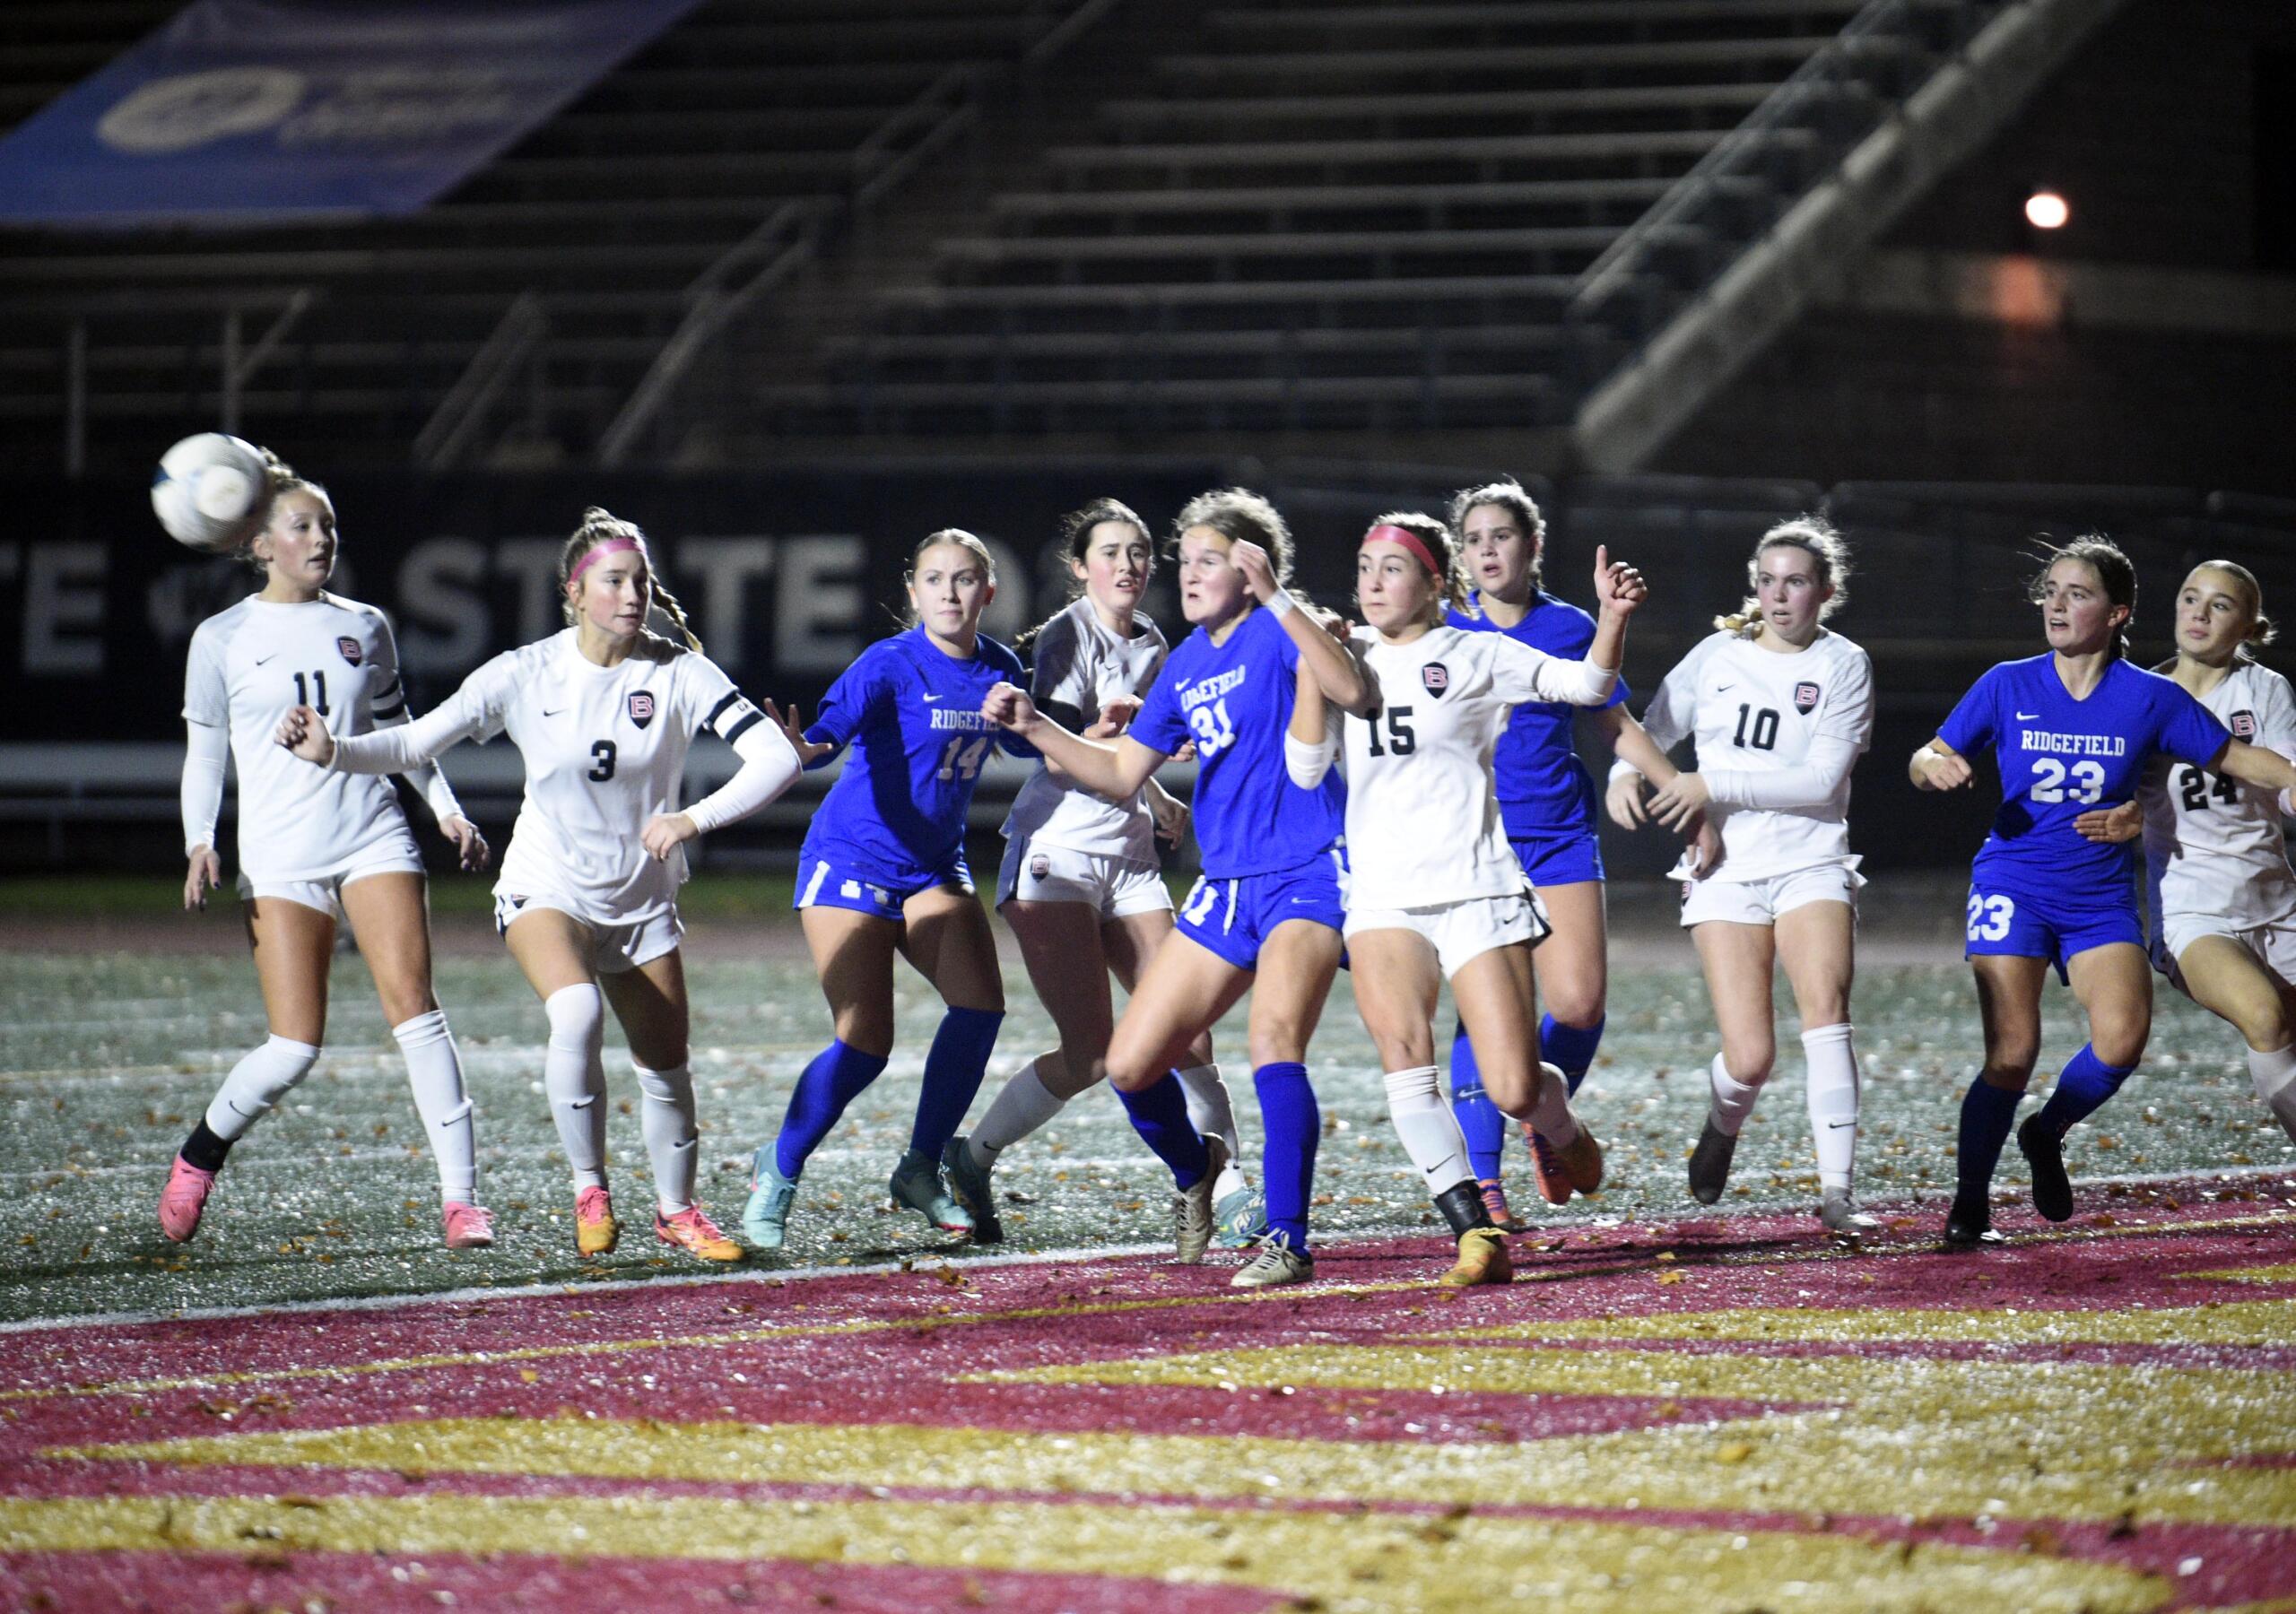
2059, 757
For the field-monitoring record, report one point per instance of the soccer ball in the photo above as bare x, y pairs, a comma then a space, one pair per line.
207, 489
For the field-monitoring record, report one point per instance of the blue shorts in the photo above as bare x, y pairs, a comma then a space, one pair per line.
1235, 918
2017, 925
1559, 857
823, 883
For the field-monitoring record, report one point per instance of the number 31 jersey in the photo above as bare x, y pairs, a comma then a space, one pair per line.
248, 667
2059, 757
1756, 711
2212, 844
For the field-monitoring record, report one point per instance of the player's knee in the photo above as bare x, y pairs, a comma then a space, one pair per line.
577, 1016
2121, 1046
1577, 1005
1748, 1059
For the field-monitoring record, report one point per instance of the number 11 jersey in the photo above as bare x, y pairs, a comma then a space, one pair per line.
2059, 757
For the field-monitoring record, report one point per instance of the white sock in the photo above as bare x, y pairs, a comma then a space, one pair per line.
1428, 1130
672, 1140
1551, 1115
263, 1077
574, 1075
2275, 1075
1212, 1113
1022, 1104
435, 1072
1833, 1102
1731, 1100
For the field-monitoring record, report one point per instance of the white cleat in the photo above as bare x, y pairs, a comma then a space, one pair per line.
1276, 1262
1841, 1215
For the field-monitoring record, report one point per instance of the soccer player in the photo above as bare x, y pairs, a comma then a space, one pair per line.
1265, 917
1434, 890
1079, 884
2223, 897
603, 713
1547, 803
882, 871
2072, 732
1780, 707
313, 846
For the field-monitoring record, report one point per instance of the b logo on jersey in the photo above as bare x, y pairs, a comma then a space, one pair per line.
2244, 725
1436, 676
1806, 697
349, 647
641, 707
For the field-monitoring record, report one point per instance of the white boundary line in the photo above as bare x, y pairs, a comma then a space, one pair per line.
915, 1264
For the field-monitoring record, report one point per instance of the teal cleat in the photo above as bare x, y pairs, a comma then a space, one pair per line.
917, 1184
1240, 1218
970, 1184
765, 1218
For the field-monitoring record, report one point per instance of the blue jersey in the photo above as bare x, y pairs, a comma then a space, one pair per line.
1235, 701
2060, 757
1543, 787
912, 714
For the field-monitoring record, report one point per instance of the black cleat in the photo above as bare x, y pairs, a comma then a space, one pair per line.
2044, 1151
1709, 1164
1970, 1224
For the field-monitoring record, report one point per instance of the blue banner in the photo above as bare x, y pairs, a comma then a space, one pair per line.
259, 111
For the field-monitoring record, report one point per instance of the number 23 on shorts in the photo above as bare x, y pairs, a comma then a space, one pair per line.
1989, 917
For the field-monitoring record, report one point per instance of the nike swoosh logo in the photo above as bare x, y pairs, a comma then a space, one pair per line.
1720, 688
261, 659
552, 711
2027, 716
1838, 1126
931, 697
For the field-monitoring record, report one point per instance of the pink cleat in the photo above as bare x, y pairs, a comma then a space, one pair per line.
468, 1226
183, 1199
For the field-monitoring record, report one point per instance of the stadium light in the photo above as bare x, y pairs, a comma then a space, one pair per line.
2046, 209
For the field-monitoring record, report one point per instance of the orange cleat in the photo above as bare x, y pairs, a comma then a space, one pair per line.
467, 1227
696, 1234
596, 1231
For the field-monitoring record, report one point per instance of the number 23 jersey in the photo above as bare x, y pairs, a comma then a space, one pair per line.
2059, 757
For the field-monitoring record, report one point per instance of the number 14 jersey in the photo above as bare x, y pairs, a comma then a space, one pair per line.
2060, 757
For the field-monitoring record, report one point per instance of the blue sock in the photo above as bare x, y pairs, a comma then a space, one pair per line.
1479, 1121
833, 1081
1159, 1115
1988, 1112
953, 1067
1570, 1049
2082, 1087
1292, 1126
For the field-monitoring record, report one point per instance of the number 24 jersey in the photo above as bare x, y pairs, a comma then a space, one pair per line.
2212, 844
2059, 757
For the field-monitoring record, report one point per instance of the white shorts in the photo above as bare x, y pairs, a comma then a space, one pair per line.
1464, 930
615, 948
2274, 942
1761, 901
1112, 887
395, 853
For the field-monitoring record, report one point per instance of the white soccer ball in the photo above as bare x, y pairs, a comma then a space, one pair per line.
207, 489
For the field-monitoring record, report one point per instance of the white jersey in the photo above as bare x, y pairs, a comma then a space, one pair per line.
2212, 844
1776, 736
604, 749
1079, 662
248, 667
1423, 826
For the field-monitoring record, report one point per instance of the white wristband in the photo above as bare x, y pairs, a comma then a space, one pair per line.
1282, 603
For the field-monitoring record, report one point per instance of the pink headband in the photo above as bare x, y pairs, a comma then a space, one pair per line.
609, 546
1410, 541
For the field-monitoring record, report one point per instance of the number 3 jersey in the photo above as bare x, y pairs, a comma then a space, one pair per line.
2059, 757
248, 667
1423, 820
605, 751
911, 713
2213, 845
1234, 700
1777, 734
